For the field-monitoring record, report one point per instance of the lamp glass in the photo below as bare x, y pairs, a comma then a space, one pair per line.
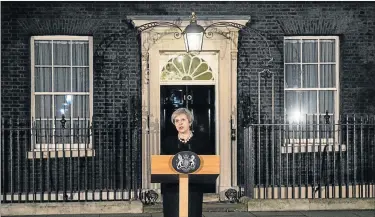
193, 41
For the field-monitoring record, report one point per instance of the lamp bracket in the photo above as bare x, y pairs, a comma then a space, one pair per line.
151, 25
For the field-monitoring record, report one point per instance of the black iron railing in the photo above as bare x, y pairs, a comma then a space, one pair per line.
318, 159
70, 160
101, 160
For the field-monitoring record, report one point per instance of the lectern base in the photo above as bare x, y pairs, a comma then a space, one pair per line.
171, 204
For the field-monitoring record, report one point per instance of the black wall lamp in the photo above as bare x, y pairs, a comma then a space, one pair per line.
193, 33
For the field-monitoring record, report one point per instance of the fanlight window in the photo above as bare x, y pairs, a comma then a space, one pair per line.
186, 67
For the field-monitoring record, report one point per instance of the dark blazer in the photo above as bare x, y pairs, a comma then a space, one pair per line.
198, 144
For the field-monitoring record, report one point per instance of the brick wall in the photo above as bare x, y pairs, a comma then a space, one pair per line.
117, 66
354, 22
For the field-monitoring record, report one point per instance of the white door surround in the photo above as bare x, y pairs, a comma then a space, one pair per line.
155, 42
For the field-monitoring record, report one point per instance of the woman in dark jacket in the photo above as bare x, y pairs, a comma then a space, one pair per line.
185, 140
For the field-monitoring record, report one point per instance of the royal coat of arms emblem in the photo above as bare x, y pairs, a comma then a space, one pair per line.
186, 162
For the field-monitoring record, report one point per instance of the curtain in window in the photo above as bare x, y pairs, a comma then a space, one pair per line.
309, 64
61, 89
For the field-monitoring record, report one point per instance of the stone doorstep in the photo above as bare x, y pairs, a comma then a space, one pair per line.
207, 207
310, 204
280, 205
71, 208
118, 207
211, 197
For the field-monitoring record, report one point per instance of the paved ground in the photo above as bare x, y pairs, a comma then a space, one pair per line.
338, 213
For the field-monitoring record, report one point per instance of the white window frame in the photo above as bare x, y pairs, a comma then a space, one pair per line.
307, 145
73, 149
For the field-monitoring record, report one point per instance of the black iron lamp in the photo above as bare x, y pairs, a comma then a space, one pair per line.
193, 35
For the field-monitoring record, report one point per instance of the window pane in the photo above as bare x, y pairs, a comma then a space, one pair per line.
310, 76
43, 106
61, 53
43, 79
293, 76
177, 62
327, 75
327, 51
292, 51
300, 103
292, 106
61, 80
202, 72
80, 79
186, 67
81, 132
63, 105
80, 52
186, 61
43, 52
308, 102
43, 131
62, 132
81, 107
310, 51
326, 101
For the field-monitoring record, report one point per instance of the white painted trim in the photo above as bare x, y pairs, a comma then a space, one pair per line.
338, 84
33, 93
187, 83
308, 63
337, 71
62, 93
332, 191
59, 153
62, 37
310, 88
61, 146
225, 104
308, 148
32, 111
311, 37
91, 195
62, 66
91, 82
184, 21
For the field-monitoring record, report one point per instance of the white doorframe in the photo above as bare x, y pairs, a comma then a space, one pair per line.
153, 43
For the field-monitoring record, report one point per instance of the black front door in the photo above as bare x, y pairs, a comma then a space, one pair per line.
199, 99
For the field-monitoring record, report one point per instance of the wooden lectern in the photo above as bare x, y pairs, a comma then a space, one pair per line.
162, 171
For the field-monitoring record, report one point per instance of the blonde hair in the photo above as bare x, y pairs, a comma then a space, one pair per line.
180, 111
